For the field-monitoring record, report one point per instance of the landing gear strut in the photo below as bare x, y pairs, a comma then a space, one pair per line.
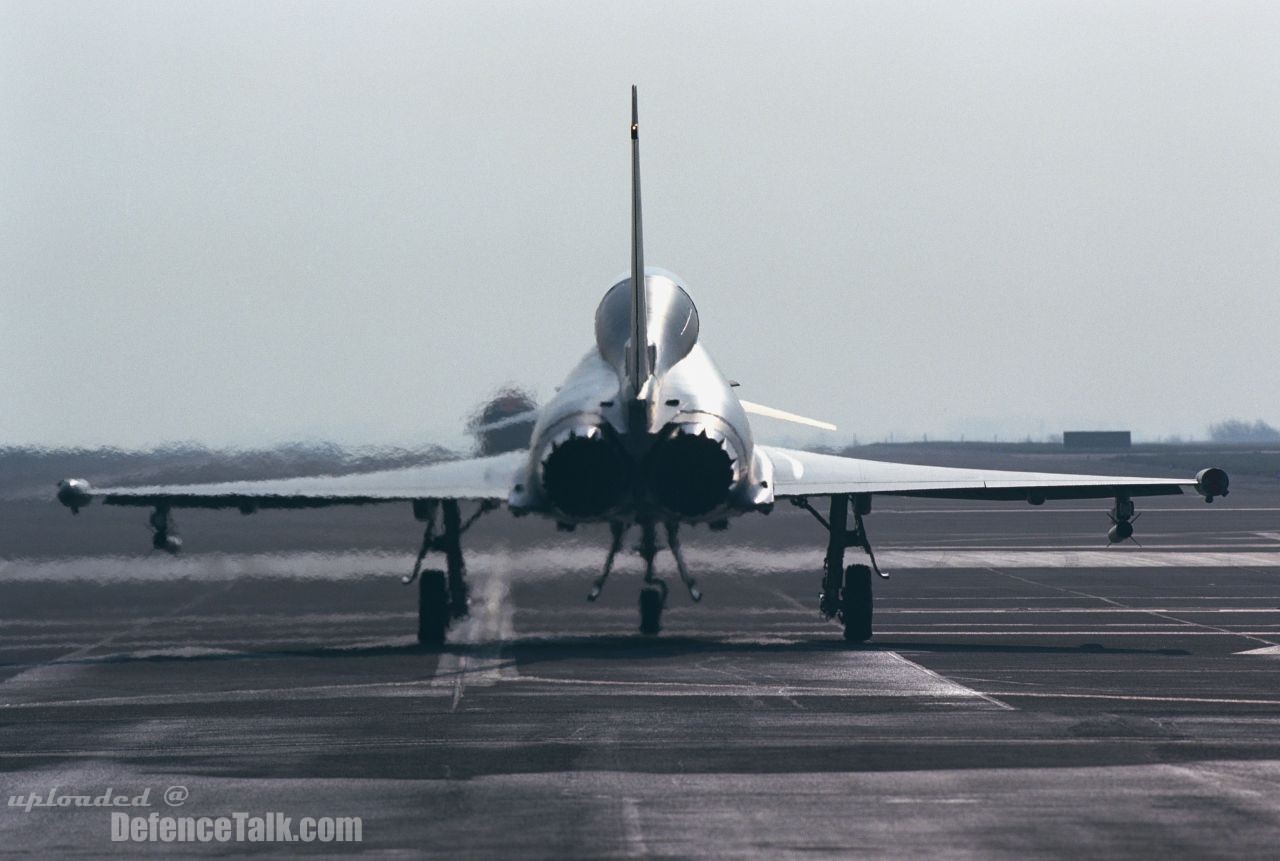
164, 532
673, 541
653, 597
618, 530
443, 596
846, 592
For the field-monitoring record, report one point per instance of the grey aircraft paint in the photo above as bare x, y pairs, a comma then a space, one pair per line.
645, 430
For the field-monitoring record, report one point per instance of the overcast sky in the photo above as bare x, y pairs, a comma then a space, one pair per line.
247, 222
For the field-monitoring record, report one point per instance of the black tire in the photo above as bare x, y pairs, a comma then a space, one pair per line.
652, 600
459, 600
856, 603
433, 608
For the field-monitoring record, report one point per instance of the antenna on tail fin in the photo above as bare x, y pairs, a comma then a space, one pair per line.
639, 365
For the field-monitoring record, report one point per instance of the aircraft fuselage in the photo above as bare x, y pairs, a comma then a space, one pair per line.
672, 444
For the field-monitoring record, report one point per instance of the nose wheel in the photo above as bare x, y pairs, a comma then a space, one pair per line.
652, 601
653, 597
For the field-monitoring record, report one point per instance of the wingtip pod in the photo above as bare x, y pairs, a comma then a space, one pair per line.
75, 493
1212, 482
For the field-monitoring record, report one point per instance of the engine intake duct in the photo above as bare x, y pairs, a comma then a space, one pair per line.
584, 473
691, 470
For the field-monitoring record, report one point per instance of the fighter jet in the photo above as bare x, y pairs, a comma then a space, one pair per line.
645, 433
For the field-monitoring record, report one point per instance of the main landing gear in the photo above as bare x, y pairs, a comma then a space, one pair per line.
164, 531
653, 595
846, 592
442, 595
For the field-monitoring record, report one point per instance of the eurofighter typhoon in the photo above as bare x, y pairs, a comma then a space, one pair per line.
645, 433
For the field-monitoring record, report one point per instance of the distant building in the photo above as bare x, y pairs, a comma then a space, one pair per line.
1096, 439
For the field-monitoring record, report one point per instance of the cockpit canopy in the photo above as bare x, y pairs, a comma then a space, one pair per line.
673, 321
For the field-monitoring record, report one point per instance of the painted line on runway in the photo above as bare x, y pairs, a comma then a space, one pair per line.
1009, 623
1275, 598
1050, 510
1037, 631
631, 830
545, 563
1168, 617
1265, 650
793, 602
415, 688
946, 681
61, 667
490, 622
1020, 611
1092, 545
1226, 701
865, 674
679, 688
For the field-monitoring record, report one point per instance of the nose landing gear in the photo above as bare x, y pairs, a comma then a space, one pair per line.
653, 595
618, 531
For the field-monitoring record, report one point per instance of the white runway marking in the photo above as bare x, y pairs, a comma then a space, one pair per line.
946, 681
632, 832
1114, 558
548, 562
343, 691
1265, 650
1039, 631
1141, 699
1025, 611
1041, 511
56, 672
490, 623
857, 674
1167, 617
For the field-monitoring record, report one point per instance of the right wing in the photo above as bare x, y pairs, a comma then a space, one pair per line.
482, 478
804, 473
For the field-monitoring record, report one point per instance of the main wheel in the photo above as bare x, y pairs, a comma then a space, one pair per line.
856, 603
433, 608
652, 600
459, 599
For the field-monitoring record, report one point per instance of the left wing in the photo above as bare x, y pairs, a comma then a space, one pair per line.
803, 473
481, 478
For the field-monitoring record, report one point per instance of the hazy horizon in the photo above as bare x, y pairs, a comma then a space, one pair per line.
238, 224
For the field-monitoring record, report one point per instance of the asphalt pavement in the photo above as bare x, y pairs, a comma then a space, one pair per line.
1029, 691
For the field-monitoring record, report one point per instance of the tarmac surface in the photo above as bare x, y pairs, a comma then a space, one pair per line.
1028, 693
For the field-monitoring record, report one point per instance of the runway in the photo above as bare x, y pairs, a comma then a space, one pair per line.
1028, 693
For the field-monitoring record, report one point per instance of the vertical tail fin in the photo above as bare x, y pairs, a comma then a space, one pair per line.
639, 364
